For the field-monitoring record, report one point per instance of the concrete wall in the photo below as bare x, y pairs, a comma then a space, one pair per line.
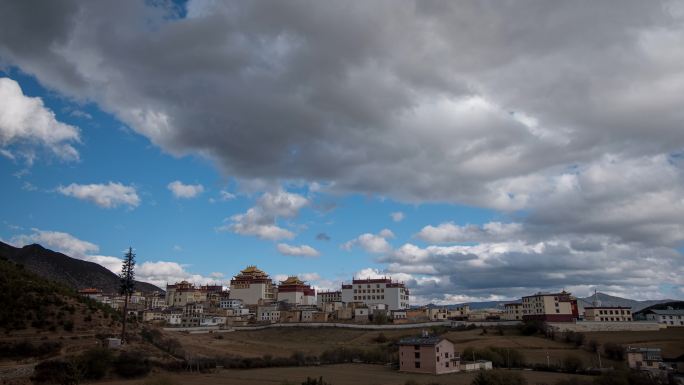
594, 326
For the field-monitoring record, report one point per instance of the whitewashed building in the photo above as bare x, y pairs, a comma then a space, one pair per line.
377, 291
252, 286
295, 292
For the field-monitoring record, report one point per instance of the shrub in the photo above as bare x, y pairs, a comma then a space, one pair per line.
496, 378
26, 349
313, 381
131, 364
55, 372
381, 338
95, 363
572, 363
593, 346
614, 351
68, 325
529, 328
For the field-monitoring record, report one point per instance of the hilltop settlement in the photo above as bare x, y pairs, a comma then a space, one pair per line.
254, 299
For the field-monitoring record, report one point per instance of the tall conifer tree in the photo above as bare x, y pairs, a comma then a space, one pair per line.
127, 277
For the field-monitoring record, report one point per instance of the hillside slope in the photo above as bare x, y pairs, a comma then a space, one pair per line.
72, 272
31, 302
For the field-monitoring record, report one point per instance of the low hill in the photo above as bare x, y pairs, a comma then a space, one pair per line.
31, 302
605, 299
72, 272
609, 300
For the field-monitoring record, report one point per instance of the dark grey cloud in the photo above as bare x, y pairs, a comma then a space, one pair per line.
322, 237
569, 112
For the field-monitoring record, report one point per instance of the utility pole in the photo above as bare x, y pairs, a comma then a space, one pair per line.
599, 358
548, 362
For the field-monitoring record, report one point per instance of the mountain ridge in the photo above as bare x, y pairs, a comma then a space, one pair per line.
76, 273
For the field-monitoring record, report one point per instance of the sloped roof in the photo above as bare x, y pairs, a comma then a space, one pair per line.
424, 341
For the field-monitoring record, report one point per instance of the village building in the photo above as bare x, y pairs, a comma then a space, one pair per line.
644, 358
268, 313
608, 313
230, 303
252, 286
155, 300
361, 314
92, 293
428, 354
150, 315
326, 297
295, 292
183, 293
173, 316
373, 291
669, 317
459, 312
512, 311
550, 307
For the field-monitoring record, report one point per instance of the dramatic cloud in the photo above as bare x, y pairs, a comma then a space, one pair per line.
25, 124
260, 220
109, 195
397, 216
298, 251
449, 232
372, 243
186, 191
564, 119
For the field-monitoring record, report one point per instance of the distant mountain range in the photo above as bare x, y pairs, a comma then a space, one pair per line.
605, 299
73, 272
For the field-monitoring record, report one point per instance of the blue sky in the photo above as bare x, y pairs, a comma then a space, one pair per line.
508, 170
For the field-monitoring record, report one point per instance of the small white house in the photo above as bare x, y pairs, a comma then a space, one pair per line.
469, 366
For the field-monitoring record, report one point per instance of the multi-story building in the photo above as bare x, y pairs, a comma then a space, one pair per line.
230, 303
428, 354
324, 297
183, 293
513, 311
252, 286
669, 317
155, 300
268, 313
550, 307
295, 292
373, 291
644, 358
608, 313
459, 312
92, 293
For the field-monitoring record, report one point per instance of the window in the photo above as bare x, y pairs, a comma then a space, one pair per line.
416, 354
446, 364
416, 347
418, 364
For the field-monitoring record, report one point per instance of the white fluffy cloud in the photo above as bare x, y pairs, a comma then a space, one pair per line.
181, 190
260, 220
58, 241
25, 123
372, 243
297, 251
449, 232
157, 273
110, 195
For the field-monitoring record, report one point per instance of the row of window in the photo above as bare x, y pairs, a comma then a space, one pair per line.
369, 291
366, 297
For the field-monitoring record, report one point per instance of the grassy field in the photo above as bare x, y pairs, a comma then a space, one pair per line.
536, 349
344, 374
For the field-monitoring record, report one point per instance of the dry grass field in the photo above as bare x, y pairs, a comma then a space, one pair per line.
343, 374
284, 342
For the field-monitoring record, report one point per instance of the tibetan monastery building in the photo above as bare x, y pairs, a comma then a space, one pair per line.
295, 292
252, 286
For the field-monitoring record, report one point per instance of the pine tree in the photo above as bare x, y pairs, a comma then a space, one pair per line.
127, 277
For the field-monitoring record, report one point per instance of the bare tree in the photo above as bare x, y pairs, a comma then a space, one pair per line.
127, 277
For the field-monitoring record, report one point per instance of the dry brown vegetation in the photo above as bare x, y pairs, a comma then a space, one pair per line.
343, 374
